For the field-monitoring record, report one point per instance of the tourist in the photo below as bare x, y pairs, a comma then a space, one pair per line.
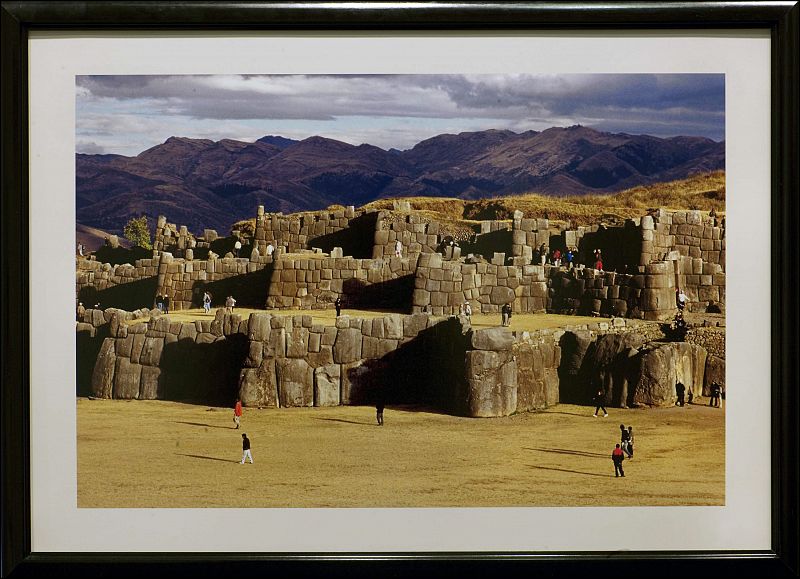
599, 402
80, 311
237, 413
398, 248
468, 310
338, 305
624, 439
542, 254
598, 260
80, 249
160, 302
680, 299
270, 249
460, 310
207, 302
570, 257
715, 395
379, 406
229, 304
246, 449
630, 442
557, 257
506, 314
617, 456
166, 303
680, 389
537, 257
237, 247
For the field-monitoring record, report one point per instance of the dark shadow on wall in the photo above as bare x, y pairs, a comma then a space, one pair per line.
356, 240
121, 255
394, 294
250, 290
621, 247
87, 349
203, 373
488, 244
426, 372
127, 296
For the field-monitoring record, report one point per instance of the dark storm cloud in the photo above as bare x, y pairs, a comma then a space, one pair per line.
698, 99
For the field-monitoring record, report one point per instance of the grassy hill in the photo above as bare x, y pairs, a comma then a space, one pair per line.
703, 192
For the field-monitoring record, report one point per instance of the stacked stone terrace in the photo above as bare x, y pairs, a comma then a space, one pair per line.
289, 361
652, 256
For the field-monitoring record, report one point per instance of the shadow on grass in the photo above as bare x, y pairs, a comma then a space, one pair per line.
572, 471
571, 452
371, 423
208, 457
569, 413
206, 425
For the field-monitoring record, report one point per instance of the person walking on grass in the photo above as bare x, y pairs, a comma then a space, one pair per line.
618, 456
246, 449
625, 440
166, 303
237, 413
207, 302
630, 442
338, 305
714, 401
599, 402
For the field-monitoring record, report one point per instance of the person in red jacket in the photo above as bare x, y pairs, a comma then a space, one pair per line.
237, 413
618, 456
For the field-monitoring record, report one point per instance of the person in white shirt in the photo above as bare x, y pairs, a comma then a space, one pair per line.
270, 249
398, 248
681, 299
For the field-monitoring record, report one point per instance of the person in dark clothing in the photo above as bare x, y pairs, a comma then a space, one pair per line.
246, 449
599, 401
680, 390
618, 456
506, 314
625, 440
715, 393
379, 406
537, 257
166, 303
160, 302
630, 442
338, 305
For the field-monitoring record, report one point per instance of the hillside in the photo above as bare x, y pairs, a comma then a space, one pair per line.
207, 184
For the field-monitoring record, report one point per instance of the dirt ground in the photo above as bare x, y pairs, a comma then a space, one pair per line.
167, 454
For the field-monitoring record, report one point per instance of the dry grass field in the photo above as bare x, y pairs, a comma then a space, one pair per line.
529, 322
166, 454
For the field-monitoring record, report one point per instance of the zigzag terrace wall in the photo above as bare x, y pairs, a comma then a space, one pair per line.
288, 361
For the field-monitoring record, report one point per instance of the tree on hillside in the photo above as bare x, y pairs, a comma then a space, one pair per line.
138, 232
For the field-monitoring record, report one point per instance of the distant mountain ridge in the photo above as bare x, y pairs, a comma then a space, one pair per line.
212, 184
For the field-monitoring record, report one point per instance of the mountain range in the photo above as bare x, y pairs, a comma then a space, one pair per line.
212, 184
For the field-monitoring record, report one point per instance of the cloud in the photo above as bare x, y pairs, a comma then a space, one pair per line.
224, 105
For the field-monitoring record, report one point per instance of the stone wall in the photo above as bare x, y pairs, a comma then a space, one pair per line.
690, 234
702, 282
418, 234
185, 281
315, 283
300, 230
176, 240
441, 286
102, 276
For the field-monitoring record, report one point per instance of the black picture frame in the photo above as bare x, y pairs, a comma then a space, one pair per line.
20, 18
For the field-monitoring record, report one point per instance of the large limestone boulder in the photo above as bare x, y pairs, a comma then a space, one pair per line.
347, 348
259, 386
295, 382
103, 373
491, 383
494, 339
151, 384
654, 372
127, 377
327, 384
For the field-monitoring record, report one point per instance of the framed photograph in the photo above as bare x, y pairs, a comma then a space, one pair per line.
423, 258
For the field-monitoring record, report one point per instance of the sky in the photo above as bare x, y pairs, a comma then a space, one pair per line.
128, 114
